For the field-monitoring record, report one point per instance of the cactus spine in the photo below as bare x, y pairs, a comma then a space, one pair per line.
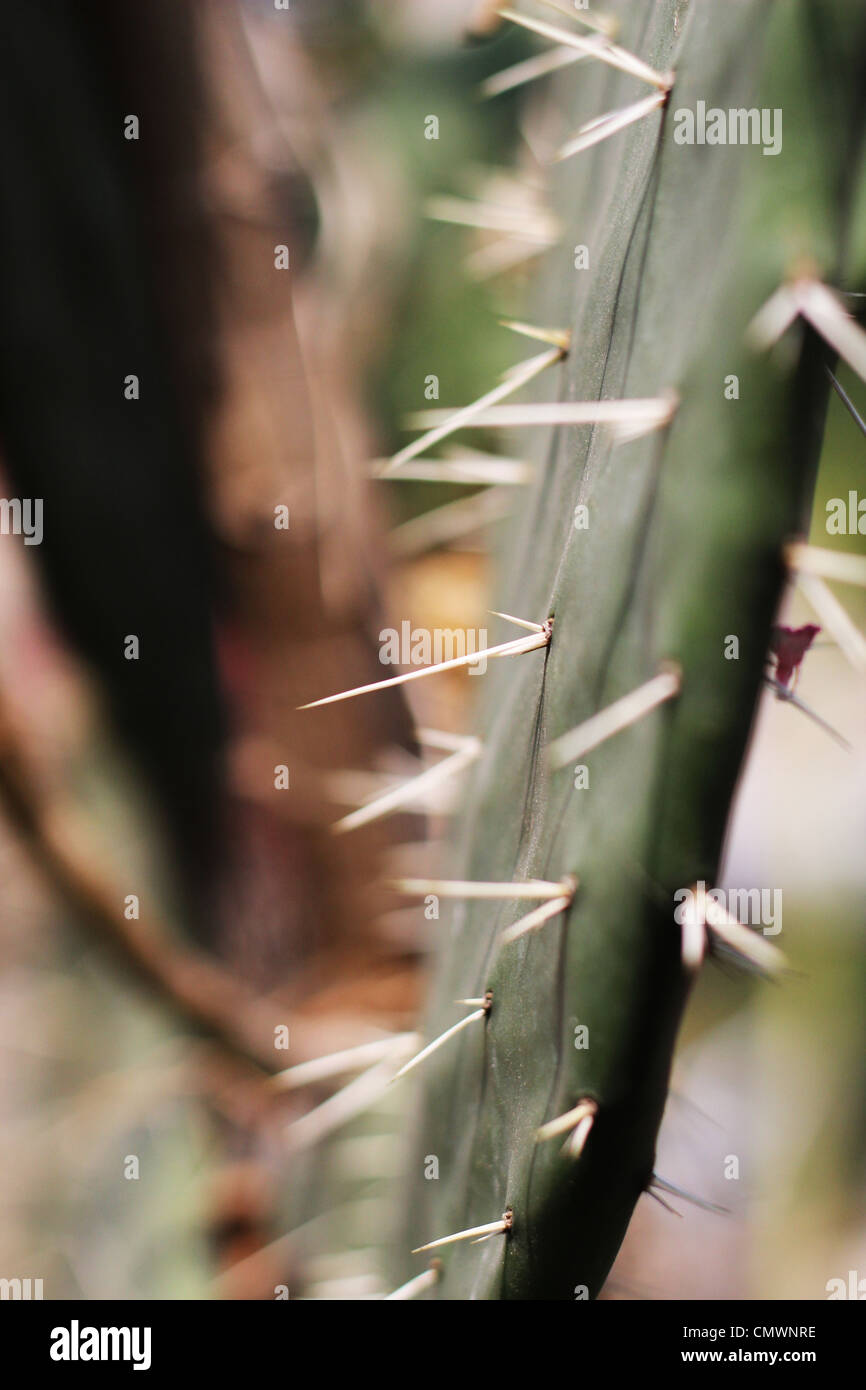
683, 548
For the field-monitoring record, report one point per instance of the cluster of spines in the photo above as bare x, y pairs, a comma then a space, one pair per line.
803, 296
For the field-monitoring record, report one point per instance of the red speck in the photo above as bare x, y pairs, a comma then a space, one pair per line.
789, 645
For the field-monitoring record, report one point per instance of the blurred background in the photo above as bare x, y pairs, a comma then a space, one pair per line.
214, 322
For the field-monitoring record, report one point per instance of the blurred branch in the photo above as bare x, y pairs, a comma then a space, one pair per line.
186, 981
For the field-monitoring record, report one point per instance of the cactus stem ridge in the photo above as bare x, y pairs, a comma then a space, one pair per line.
413, 1287
533, 888
611, 123
558, 337
514, 648
515, 378
476, 1016
492, 1228
834, 617
675, 1191
827, 564
783, 693
846, 401
410, 790
585, 1109
605, 51
616, 717
348, 1059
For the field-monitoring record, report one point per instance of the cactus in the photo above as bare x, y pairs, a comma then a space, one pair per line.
681, 549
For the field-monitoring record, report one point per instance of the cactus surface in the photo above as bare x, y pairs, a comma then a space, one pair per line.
683, 549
